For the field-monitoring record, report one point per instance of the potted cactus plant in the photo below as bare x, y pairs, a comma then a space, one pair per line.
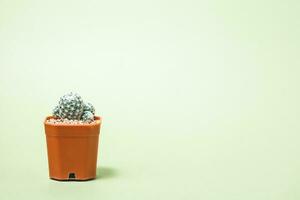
72, 135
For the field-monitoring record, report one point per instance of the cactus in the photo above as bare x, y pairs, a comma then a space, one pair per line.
87, 116
72, 107
88, 107
56, 111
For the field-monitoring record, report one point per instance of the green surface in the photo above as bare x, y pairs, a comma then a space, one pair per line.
200, 99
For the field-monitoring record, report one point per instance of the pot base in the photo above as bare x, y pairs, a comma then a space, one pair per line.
76, 180
72, 177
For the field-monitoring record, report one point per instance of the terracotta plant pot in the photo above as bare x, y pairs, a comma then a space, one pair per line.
72, 150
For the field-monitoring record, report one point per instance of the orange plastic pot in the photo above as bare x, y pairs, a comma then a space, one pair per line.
72, 150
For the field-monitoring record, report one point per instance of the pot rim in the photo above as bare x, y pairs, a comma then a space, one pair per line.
97, 122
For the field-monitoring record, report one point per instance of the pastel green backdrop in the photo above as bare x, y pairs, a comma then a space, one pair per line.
200, 99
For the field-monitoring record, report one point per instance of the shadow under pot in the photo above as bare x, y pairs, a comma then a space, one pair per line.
72, 150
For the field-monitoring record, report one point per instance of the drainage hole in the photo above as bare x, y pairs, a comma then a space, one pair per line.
72, 176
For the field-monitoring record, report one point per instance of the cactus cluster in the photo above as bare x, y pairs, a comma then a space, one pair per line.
72, 107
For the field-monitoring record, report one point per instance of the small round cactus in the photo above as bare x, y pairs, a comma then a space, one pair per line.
87, 116
56, 111
72, 107
88, 107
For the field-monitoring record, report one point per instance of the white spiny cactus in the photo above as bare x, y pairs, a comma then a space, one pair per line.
71, 106
88, 107
87, 116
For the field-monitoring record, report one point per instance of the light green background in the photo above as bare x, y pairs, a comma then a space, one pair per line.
200, 99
